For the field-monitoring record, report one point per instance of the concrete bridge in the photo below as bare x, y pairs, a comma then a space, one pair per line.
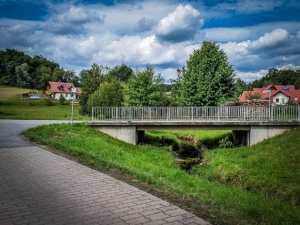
249, 125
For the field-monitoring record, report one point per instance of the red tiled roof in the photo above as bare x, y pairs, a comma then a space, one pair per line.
288, 90
62, 87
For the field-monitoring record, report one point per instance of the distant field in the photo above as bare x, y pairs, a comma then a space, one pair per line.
12, 106
9, 92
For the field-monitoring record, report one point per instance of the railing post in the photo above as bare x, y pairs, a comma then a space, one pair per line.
272, 113
299, 113
93, 114
192, 114
117, 114
219, 112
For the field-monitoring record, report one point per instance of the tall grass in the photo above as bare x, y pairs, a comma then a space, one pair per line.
156, 166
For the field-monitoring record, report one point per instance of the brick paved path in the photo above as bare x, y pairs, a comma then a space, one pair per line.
39, 187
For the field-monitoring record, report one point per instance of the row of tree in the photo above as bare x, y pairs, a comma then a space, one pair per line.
277, 76
21, 70
207, 80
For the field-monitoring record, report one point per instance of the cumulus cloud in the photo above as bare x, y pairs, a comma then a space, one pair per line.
20, 35
272, 50
144, 25
73, 21
180, 25
276, 39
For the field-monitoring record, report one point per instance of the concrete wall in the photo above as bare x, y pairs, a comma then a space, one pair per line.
249, 135
260, 133
127, 134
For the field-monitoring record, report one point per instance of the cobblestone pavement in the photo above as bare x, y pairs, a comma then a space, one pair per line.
39, 187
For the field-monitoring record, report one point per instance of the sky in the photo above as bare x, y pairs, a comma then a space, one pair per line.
256, 35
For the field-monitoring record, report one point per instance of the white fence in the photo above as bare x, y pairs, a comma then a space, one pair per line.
210, 113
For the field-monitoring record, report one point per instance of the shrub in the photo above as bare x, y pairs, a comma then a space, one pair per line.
62, 99
48, 102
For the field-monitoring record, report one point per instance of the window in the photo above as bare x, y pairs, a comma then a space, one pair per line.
277, 100
66, 95
282, 101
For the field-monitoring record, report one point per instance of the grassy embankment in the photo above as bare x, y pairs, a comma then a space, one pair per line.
247, 185
12, 106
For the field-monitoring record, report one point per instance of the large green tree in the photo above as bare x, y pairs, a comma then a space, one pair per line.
110, 93
145, 88
122, 72
90, 82
208, 77
23, 78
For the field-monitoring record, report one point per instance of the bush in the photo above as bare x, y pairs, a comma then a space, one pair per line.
62, 99
48, 102
226, 143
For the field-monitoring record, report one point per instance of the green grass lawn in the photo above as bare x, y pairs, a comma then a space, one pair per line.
36, 109
248, 185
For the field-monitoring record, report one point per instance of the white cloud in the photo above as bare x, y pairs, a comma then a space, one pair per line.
73, 21
20, 35
275, 39
180, 25
144, 25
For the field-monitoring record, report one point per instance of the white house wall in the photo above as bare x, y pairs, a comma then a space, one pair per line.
67, 96
280, 96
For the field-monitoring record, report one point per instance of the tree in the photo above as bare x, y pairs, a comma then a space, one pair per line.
23, 77
253, 96
176, 89
123, 72
44, 76
110, 93
90, 82
145, 89
208, 77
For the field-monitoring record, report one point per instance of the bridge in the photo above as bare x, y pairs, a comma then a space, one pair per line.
249, 124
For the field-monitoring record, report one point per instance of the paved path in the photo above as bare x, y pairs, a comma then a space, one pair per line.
39, 187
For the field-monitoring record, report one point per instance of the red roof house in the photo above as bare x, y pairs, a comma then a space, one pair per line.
278, 94
56, 89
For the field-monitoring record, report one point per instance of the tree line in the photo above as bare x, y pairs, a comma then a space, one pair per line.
279, 77
21, 70
207, 79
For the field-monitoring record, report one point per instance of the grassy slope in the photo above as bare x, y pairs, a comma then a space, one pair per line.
271, 167
9, 92
156, 166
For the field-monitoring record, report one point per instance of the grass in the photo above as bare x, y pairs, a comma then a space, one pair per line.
14, 107
7, 92
215, 184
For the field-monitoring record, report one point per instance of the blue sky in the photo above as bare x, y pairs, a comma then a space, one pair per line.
256, 35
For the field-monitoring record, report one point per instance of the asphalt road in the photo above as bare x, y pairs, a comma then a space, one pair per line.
10, 130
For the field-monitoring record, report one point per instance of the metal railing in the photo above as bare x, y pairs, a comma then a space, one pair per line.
210, 113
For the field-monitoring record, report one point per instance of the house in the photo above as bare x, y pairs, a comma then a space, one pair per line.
278, 94
56, 89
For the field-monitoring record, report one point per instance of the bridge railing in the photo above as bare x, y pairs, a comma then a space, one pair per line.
209, 113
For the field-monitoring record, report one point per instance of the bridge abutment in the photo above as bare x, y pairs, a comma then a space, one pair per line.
127, 134
260, 133
244, 133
